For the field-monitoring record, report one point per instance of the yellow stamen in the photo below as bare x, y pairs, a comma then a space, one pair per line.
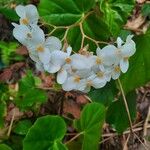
100, 74
68, 60
117, 69
126, 58
89, 83
77, 79
25, 21
98, 61
40, 48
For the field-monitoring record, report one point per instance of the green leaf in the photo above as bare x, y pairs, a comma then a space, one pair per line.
104, 95
117, 115
28, 93
94, 28
90, 125
9, 13
146, 10
4, 147
22, 127
8, 52
115, 13
46, 134
58, 12
138, 73
58, 146
62, 13
3, 109
85, 5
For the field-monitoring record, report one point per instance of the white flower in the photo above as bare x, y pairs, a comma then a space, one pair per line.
72, 83
28, 36
58, 59
28, 14
81, 62
44, 48
74, 72
106, 56
116, 71
127, 50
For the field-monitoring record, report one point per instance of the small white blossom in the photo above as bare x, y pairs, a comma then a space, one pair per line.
116, 71
76, 71
28, 14
28, 36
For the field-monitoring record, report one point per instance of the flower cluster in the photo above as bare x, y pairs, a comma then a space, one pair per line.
74, 71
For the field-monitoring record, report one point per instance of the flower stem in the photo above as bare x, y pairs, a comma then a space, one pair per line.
126, 105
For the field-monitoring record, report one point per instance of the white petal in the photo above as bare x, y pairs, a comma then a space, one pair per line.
69, 50
98, 51
108, 54
128, 49
15, 24
61, 76
80, 62
98, 83
129, 38
20, 33
124, 65
84, 73
115, 75
32, 14
34, 56
119, 42
58, 57
69, 84
53, 43
45, 56
38, 35
82, 86
20, 10
39, 67
51, 68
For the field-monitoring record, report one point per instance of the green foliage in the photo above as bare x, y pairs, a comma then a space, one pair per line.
2, 112
117, 115
22, 127
4, 147
3, 106
104, 95
9, 13
8, 52
46, 134
115, 13
66, 12
28, 93
146, 10
90, 124
139, 72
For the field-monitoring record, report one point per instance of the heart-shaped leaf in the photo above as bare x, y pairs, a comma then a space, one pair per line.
46, 134
90, 125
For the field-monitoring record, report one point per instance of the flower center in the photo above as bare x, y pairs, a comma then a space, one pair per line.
89, 83
126, 58
117, 69
25, 21
98, 61
40, 48
77, 79
68, 60
100, 74
29, 35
